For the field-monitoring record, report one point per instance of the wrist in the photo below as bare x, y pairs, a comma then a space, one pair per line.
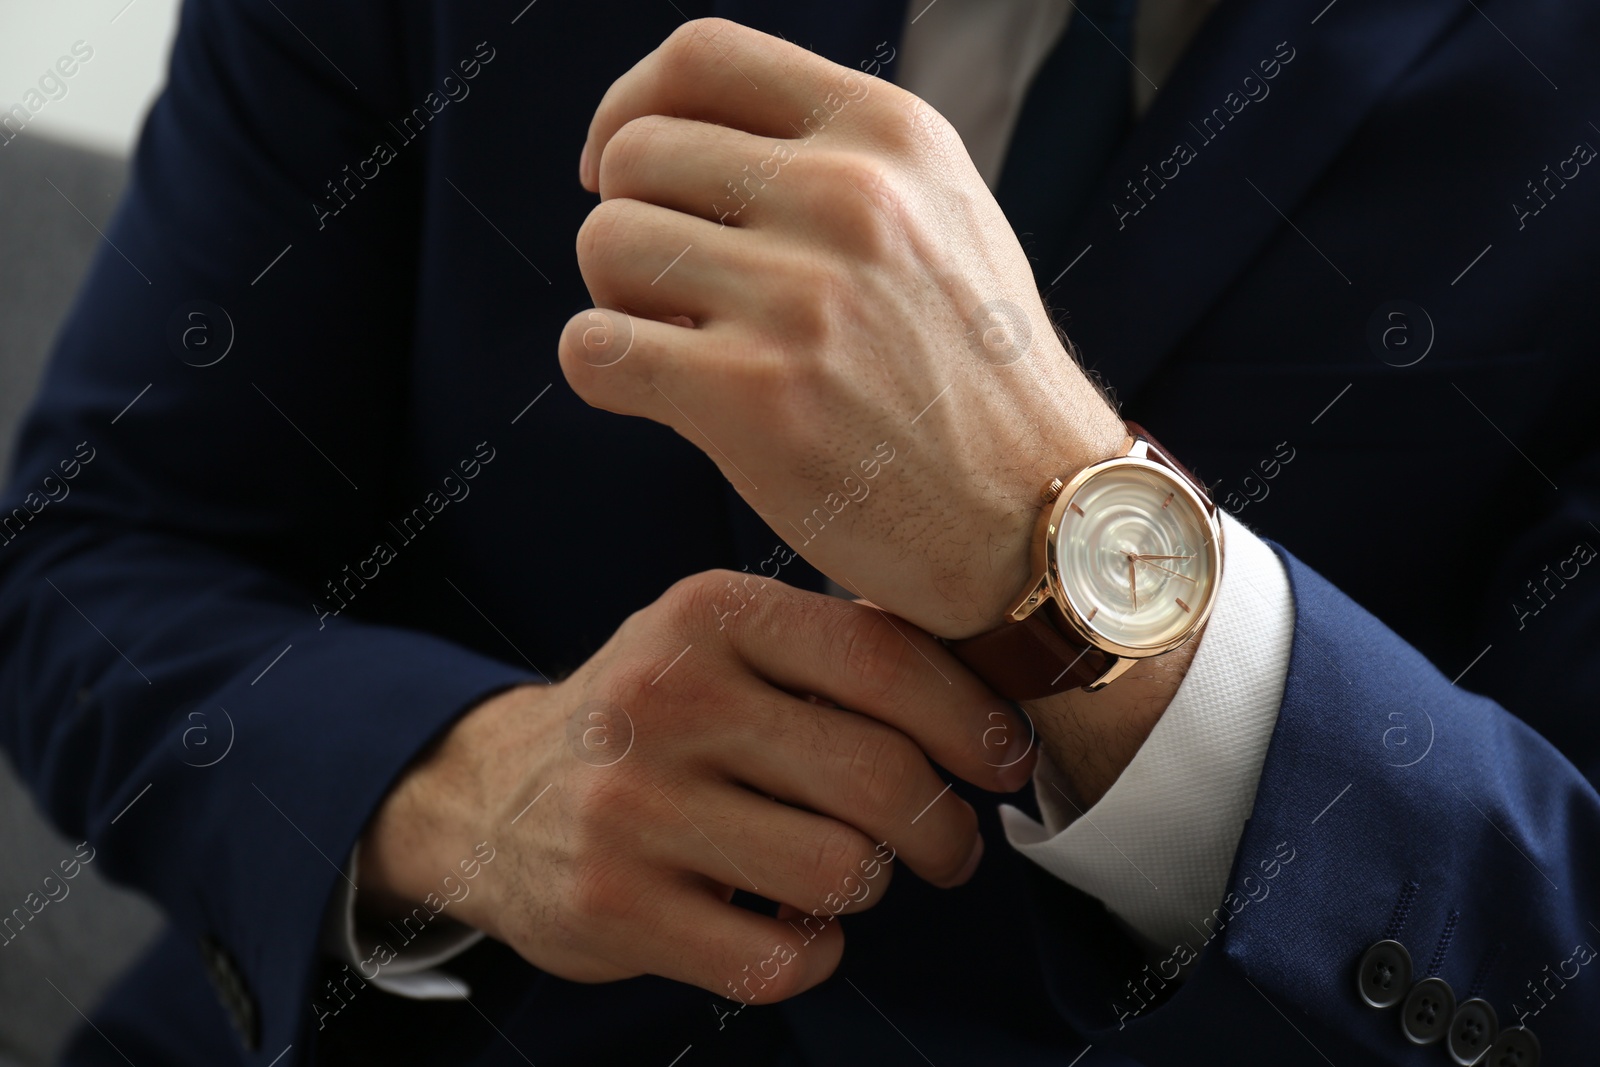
1090, 738
1071, 427
1093, 730
437, 810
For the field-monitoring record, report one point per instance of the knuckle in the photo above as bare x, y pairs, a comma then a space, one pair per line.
690, 45
628, 152
592, 341
594, 239
639, 622
870, 202
569, 351
587, 345
646, 679
745, 595
878, 770
750, 981
872, 654
628, 686
922, 151
837, 853
679, 47
689, 603
789, 982
910, 126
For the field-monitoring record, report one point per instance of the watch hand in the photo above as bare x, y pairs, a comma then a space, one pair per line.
1169, 570
1141, 555
1132, 589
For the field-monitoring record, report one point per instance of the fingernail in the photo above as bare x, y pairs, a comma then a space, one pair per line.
971, 866
583, 165
1007, 744
1017, 775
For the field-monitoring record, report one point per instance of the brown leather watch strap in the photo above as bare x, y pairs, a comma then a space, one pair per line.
1166, 457
1030, 659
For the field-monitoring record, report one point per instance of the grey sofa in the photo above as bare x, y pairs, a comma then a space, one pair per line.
67, 955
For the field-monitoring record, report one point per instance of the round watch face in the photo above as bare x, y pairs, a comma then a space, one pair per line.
1135, 555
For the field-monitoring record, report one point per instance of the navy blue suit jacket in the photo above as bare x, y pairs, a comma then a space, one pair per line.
376, 206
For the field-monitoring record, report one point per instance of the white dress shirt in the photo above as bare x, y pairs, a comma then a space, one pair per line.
1157, 848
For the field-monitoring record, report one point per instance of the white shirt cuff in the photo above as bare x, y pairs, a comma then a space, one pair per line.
1157, 848
413, 948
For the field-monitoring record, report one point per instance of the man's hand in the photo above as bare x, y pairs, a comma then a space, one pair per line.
802, 273
685, 761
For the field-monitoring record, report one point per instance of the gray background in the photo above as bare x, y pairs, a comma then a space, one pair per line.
83, 941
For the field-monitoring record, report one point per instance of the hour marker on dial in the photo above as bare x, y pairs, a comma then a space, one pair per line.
1074, 506
1181, 604
1167, 501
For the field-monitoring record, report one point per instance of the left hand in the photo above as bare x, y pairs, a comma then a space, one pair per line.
806, 277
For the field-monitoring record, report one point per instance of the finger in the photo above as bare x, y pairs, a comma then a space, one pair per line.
610, 358
871, 662
711, 172
721, 72
695, 937
795, 857
860, 772
654, 261
638, 366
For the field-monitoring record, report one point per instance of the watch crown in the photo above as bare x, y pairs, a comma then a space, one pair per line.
1052, 490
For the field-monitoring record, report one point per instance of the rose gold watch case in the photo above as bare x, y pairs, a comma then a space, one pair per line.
1047, 591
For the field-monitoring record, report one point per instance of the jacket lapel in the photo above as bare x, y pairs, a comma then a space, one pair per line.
1198, 187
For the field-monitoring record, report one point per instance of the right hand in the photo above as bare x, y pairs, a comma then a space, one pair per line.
678, 765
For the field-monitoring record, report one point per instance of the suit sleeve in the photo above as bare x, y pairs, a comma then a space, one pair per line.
176, 686
1393, 803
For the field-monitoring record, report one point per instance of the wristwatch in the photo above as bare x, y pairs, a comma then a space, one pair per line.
1127, 560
